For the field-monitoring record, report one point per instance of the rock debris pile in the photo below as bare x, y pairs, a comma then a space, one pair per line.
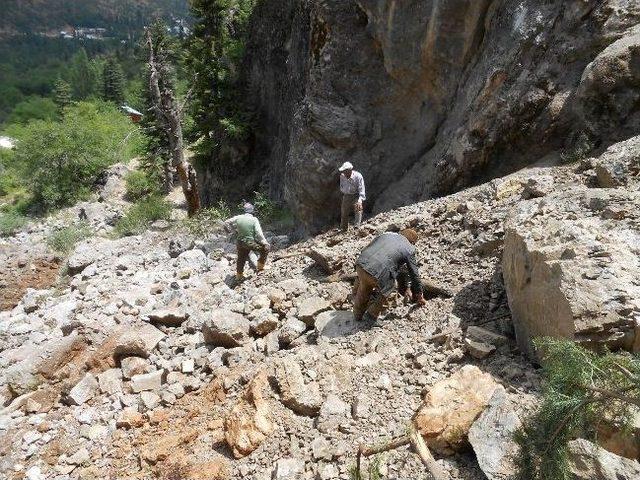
149, 362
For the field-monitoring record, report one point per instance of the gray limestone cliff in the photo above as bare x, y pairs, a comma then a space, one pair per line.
426, 97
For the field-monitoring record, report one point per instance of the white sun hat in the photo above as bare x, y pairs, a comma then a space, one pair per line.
346, 166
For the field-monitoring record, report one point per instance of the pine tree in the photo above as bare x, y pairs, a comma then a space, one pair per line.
113, 81
156, 162
582, 390
61, 95
215, 52
83, 76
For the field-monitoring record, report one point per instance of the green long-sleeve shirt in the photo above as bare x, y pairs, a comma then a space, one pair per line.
248, 228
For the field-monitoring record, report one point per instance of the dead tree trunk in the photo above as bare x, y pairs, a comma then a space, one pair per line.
169, 114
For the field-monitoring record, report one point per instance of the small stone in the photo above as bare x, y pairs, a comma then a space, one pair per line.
147, 381
226, 329
150, 400
80, 457
321, 449
84, 390
288, 469
310, 308
171, 317
384, 382
188, 366
130, 418
131, 366
110, 381
290, 330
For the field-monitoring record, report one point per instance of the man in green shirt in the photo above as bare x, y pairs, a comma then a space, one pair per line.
250, 238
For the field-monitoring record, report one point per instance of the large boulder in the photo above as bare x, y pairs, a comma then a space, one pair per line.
451, 406
608, 93
225, 328
619, 165
571, 268
590, 462
248, 424
491, 437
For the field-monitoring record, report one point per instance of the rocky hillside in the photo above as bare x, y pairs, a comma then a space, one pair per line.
145, 360
427, 97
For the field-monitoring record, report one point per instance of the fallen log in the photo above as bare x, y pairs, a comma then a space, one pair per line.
416, 441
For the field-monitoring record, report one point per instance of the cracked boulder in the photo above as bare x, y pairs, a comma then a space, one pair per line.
571, 268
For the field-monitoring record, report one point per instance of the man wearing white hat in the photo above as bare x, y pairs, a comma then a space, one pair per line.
250, 239
353, 194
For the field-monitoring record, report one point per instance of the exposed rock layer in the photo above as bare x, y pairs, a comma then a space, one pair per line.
428, 96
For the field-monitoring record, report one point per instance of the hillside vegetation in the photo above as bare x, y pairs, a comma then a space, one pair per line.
21, 16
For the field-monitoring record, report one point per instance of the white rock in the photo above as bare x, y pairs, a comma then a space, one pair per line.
147, 381
110, 381
84, 390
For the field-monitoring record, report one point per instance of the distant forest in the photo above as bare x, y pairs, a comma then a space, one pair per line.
120, 17
30, 62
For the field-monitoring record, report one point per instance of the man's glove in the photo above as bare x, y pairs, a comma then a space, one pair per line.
358, 206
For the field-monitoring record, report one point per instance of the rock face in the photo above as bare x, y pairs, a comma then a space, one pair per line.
571, 268
451, 406
425, 97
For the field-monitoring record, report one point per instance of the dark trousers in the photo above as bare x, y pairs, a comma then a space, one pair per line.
244, 249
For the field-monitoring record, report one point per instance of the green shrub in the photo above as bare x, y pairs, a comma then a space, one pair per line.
10, 223
65, 239
206, 220
582, 389
142, 214
140, 185
60, 161
269, 211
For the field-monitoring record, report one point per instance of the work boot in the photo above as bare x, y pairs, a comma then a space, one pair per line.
260, 266
239, 277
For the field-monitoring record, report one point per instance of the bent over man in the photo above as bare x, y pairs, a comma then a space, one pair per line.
379, 267
353, 194
250, 238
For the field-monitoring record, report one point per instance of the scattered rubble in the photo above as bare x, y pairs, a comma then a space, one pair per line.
150, 359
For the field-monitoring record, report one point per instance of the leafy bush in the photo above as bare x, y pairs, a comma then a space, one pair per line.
65, 239
142, 214
33, 108
10, 223
206, 220
60, 161
269, 211
140, 185
582, 389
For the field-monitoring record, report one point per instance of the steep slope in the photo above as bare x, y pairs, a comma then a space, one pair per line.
426, 97
148, 361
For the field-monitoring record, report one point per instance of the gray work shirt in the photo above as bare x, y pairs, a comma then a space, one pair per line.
385, 256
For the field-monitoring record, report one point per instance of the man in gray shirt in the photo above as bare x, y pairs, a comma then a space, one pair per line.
353, 194
379, 266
